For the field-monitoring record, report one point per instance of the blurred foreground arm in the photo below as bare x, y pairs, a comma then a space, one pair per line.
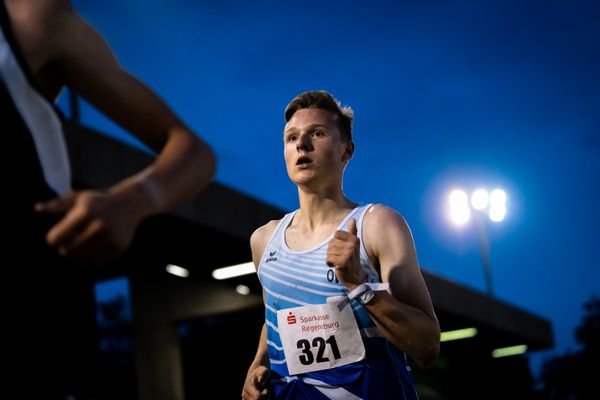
102, 224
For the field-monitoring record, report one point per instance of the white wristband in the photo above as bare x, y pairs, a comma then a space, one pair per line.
357, 291
360, 289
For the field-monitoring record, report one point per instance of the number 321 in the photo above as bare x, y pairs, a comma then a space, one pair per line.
308, 358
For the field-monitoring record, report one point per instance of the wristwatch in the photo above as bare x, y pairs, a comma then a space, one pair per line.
365, 296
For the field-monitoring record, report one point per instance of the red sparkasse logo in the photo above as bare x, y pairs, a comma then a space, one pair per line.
291, 319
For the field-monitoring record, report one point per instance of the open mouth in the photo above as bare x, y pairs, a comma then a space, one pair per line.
303, 161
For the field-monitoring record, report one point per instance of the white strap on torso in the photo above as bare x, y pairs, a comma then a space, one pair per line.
40, 118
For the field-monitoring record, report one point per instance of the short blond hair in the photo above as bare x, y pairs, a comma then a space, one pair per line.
324, 101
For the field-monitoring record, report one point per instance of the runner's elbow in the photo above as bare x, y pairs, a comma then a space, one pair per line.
428, 354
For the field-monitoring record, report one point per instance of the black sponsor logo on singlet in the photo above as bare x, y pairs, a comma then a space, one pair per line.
271, 258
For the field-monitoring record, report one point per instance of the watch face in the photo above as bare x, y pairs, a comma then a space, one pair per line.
367, 296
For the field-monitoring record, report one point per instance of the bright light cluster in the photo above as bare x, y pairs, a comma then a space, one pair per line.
493, 203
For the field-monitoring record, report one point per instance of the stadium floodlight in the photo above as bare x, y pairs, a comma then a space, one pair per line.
480, 199
497, 210
481, 202
459, 207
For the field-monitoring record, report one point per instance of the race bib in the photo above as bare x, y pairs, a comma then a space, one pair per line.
319, 337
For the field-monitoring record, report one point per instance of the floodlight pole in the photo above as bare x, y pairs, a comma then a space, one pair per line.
484, 247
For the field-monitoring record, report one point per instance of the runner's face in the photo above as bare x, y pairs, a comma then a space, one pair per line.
313, 149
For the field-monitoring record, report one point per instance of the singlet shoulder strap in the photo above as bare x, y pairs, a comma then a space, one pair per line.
365, 256
276, 236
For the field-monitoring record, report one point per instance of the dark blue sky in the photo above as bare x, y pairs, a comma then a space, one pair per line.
446, 94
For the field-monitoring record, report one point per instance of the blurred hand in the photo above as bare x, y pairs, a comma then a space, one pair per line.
256, 384
95, 227
343, 254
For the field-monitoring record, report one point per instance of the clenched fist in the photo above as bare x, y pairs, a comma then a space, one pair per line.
95, 226
343, 254
256, 384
